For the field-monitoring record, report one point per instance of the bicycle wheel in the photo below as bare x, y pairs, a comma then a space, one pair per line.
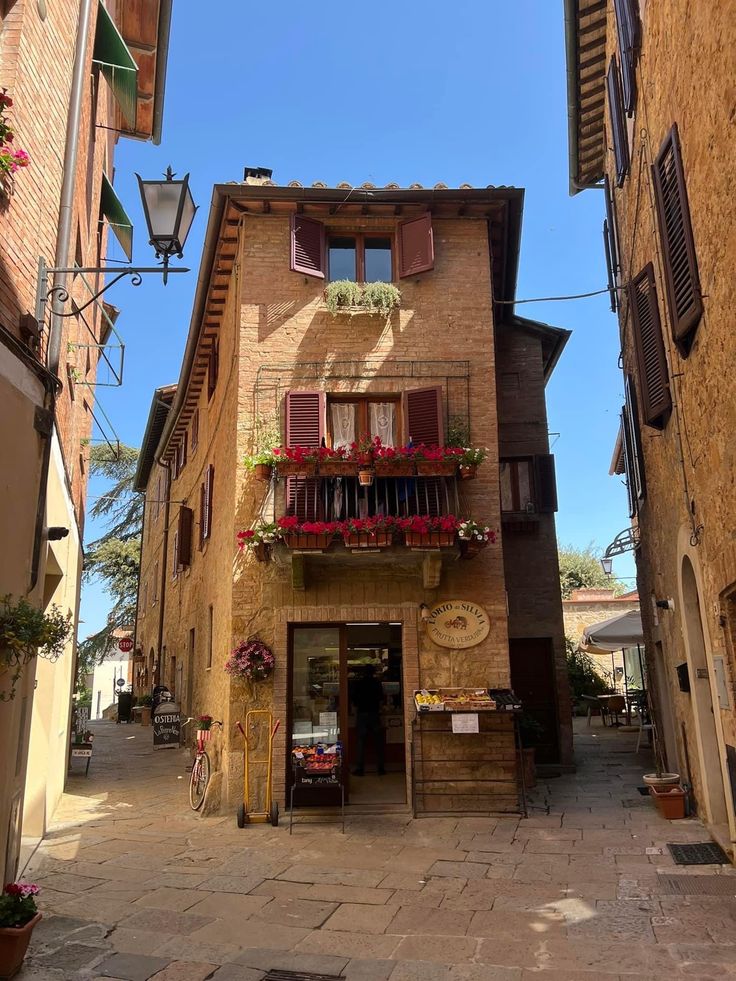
199, 780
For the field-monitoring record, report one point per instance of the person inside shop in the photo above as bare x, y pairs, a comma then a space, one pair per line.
367, 696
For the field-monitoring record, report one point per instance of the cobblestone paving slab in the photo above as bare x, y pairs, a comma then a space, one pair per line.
137, 886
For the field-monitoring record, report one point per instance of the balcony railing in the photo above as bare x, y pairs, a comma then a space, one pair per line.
335, 499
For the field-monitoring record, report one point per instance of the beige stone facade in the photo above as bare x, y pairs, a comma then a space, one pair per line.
45, 416
683, 69
274, 335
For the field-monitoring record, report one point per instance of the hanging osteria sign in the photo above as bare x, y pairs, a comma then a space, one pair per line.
458, 624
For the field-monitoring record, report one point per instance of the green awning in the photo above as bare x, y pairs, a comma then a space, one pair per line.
117, 65
111, 207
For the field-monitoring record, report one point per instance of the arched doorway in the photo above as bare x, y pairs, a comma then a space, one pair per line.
709, 753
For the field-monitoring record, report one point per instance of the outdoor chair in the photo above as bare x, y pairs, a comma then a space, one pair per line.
611, 707
592, 703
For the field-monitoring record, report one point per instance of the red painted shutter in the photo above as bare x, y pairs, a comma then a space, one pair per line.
303, 497
545, 483
184, 531
416, 245
682, 282
305, 426
424, 415
618, 134
650, 356
307, 246
627, 26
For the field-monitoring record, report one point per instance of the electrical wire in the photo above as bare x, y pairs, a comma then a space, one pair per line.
571, 296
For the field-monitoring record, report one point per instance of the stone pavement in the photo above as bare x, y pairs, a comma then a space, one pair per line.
136, 886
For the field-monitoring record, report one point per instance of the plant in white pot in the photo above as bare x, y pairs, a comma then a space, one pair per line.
661, 777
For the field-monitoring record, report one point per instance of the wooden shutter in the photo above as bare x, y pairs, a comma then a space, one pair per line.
184, 531
175, 559
305, 418
416, 245
610, 244
213, 368
307, 246
424, 416
682, 282
628, 464
618, 134
637, 454
545, 483
627, 26
195, 430
209, 485
202, 514
305, 426
650, 356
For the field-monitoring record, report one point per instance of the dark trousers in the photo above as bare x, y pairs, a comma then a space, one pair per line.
369, 723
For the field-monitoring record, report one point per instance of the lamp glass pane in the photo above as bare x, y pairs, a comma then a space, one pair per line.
187, 217
162, 200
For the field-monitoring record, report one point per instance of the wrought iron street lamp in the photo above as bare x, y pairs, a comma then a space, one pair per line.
607, 566
169, 209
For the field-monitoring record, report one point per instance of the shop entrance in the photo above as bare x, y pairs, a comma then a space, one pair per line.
347, 690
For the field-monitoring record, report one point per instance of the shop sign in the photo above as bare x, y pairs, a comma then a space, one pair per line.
166, 723
458, 624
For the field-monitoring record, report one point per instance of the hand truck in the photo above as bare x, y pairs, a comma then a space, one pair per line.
246, 814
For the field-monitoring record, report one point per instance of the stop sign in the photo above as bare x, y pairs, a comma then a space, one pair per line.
125, 644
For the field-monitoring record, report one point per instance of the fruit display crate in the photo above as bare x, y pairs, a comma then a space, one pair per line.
454, 700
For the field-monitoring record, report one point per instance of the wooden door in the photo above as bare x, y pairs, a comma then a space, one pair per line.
533, 681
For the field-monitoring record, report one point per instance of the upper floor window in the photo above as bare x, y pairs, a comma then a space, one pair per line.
360, 258
528, 484
349, 417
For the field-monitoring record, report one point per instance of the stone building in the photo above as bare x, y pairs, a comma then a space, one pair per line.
650, 96
79, 73
585, 607
266, 362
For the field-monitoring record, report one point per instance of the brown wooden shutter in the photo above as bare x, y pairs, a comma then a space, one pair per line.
184, 531
628, 461
213, 368
682, 282
202, 514
637, 453
175, 558
303, 497
618, 134
610, 244
424, 416
209, 486
627, 26
307, 246
650, 356
195, 430
416, 245
545, 483
305, 418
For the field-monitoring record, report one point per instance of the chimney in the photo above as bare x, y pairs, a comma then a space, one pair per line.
256, 175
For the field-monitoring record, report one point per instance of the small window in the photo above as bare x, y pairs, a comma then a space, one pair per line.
517, 485
360, 258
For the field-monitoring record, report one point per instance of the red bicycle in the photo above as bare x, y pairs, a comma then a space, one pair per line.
201, 768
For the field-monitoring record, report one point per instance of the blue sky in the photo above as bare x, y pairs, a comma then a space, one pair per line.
407, 92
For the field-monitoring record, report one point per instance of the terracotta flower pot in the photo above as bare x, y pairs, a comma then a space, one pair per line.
670, 801
263, 472
337, 468
363, 539
311, 542
468, 471
262, 552
436, 468
365, 478
291, 468
470, 548
429, 539
145, 715
13, 946
394, 468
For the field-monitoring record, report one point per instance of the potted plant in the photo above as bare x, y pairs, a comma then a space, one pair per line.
393, 461
473, 537
423, 531
296, 461
311, 535
204, 724
11, 159
660, 778
335, 462
437, 461
374, 532
670, 801
530, 731
146, 704
259, 539
18, 916
363, 451
26, 632
471, 457
252, 661
261, 464
345, 296
380, 298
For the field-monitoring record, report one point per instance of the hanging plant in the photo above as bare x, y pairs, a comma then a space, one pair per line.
345, 296
26, 632
251, 661
12, 158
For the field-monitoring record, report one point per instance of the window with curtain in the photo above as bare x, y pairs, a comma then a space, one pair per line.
382, 416
343, 424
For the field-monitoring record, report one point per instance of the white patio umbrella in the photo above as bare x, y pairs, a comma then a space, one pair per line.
615, 634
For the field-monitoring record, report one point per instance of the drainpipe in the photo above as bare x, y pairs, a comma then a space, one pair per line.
164, 558
66, 204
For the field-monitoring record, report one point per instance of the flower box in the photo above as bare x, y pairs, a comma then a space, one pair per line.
365, 539
670, 801
13, 946
429, 539
468, 471
337, 468
436, 468
394, 468
263, 471
262, 552
311, 542
469, 548
296, 468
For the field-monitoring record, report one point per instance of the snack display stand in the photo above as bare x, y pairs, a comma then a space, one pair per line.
316, 768
466, 752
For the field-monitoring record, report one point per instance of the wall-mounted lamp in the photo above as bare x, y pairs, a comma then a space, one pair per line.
57, 532
607, 566
665, 604
424, 612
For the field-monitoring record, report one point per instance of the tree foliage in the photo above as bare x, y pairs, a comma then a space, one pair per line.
580, 568
114, 558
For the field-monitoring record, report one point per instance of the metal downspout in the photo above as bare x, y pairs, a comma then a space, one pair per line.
164, 559
66, 204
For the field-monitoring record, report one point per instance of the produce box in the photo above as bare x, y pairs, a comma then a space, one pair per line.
467, 700
428, 700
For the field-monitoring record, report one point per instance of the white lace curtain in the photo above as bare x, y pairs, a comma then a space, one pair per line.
343, 424
383, 422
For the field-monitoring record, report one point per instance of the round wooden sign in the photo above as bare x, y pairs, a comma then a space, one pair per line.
458, 624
